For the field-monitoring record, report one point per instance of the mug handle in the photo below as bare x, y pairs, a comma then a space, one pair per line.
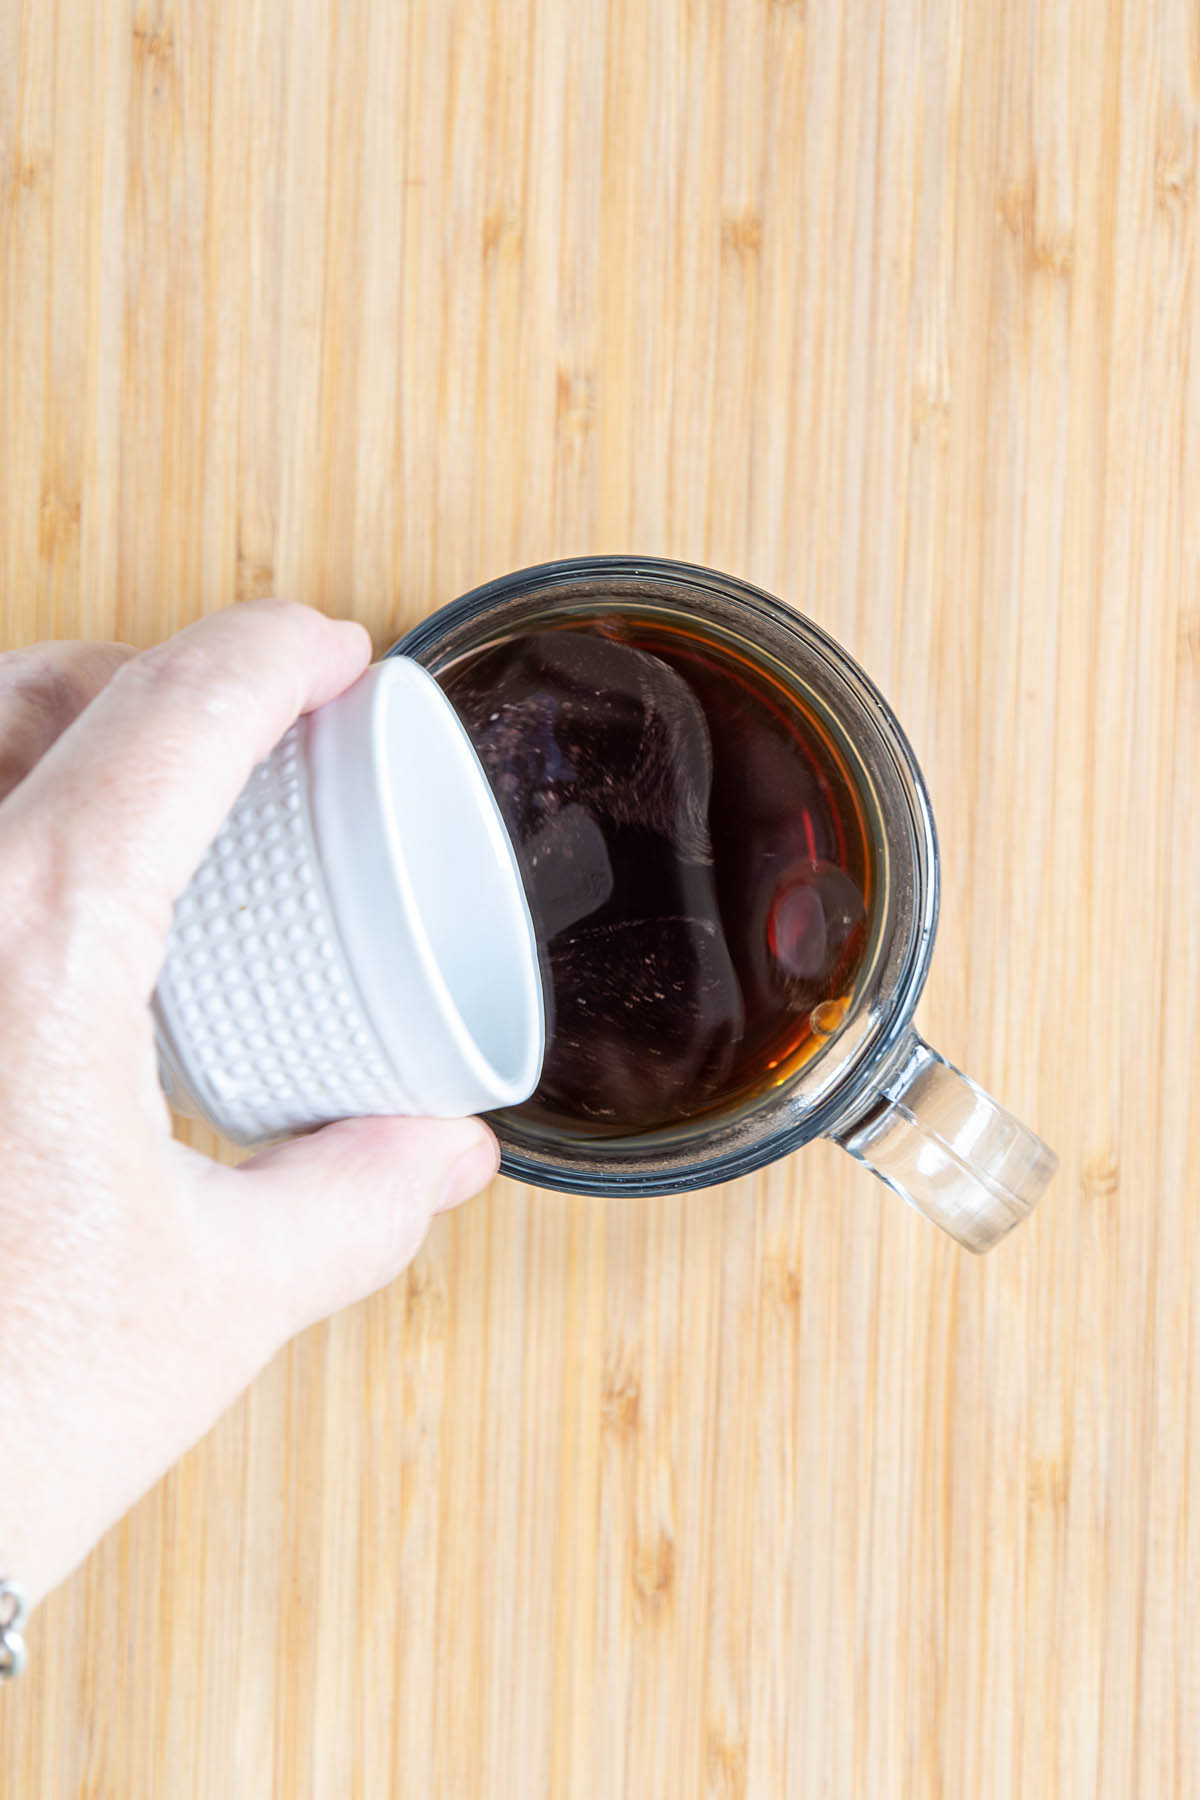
947, 1148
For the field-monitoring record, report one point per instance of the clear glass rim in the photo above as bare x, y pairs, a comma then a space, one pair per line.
828, 1090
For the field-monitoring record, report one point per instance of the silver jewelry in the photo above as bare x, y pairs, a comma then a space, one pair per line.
12, 1617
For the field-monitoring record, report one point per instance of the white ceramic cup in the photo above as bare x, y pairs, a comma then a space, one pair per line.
357, 941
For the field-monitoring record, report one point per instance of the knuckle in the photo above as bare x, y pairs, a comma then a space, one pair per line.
177, 662
221, 660
190, 673
42, 693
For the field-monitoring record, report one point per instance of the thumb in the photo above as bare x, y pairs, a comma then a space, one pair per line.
324, 1220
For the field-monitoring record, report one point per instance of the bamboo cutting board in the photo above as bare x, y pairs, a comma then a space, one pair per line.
891, 307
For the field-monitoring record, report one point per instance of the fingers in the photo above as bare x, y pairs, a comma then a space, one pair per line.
138, 787
325, 1220
43, 690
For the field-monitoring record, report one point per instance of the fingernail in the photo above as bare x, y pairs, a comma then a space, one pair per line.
472, 1171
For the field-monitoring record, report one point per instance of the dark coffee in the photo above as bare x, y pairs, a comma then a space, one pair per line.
695, 857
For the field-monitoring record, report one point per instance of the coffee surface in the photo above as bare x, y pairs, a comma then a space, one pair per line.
694, 856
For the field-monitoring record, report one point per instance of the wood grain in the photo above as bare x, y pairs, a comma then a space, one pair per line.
891, 308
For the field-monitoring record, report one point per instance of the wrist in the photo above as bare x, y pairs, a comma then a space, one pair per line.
13, 1613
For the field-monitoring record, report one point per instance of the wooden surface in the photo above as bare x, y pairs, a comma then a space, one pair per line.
891, 308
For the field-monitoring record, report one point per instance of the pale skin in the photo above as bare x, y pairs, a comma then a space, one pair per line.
141, 1285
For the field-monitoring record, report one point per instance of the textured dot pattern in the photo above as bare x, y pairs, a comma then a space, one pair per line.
257, 995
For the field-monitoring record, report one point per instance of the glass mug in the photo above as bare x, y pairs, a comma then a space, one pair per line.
873, 1085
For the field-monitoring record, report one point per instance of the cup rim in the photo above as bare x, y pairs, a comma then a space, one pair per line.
780, 1122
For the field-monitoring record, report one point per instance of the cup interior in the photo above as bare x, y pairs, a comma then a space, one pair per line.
808, 1094
467, 909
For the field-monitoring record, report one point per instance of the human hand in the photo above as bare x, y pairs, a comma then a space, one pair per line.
141, 1285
